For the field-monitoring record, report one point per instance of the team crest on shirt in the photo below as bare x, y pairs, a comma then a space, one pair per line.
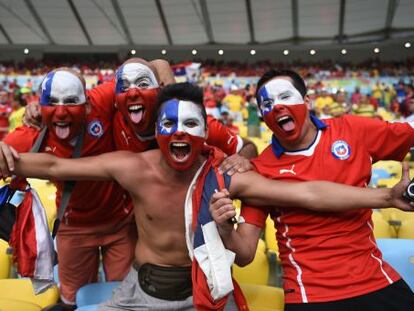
341, 150
95, 129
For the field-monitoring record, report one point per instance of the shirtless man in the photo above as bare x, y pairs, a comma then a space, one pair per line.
158, 181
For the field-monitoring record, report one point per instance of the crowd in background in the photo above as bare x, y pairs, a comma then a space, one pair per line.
234, 102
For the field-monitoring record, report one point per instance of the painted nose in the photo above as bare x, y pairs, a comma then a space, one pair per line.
61, 112
133, 94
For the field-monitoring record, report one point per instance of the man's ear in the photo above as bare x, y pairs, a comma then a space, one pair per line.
307, 102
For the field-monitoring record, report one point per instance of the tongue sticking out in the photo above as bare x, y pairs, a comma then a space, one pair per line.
288, 126
62, 131
136, 117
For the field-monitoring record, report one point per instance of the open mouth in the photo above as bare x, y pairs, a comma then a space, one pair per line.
286, 123
136, 112
180, 151
62, 129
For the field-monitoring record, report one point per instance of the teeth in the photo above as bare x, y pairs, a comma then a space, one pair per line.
135, 108
283, 118
61, 124
179, 144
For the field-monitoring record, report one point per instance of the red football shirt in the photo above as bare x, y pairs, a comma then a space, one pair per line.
91, 202
331, 256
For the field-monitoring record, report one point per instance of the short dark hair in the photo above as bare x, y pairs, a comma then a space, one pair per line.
297, 80
182, 91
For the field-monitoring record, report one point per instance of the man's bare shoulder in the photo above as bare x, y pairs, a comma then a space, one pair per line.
136, 160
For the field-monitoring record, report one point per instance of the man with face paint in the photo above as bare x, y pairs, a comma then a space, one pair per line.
330, 261
158, 181
137, 85
99, 214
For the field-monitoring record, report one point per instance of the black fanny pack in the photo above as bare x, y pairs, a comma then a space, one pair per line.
168, 283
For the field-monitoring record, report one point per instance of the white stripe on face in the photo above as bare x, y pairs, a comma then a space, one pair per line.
190, 119
65, 86
138, 75
280, 92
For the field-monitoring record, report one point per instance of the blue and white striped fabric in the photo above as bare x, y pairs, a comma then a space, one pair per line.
207, 247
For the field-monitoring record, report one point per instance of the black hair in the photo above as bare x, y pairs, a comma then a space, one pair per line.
182, 91
297, 80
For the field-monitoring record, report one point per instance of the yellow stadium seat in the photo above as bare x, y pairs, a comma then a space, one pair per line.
257, 272
382, 229
270, 237
406, 230
263, 298
18, 305
387, 183
21, 289
5, 260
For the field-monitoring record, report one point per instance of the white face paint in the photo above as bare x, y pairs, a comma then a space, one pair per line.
182, 116
65, 88
278, 92
137, 75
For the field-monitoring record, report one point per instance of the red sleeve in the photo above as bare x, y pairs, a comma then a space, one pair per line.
384, 140
22, 138
221, 137
254, 215
103, 96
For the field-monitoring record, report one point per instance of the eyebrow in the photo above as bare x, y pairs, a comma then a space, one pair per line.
71, 99
285, 93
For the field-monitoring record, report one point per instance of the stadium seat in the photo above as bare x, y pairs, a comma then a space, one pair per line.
18, 305
21, 289
95, 293
381, 227
378, 173
257, 272
263, 298
406, 231
387, 183
88, 308
399, 253
5, 260
270, 238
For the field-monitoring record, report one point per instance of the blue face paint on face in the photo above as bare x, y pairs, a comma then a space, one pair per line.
46, 89
264, 101
168, 114
119, 87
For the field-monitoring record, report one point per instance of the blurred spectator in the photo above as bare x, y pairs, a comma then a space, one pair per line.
253, 118
227, 120
364, 108
5, 110
323, 102
234, 103
210, 103
18, 107
356, 96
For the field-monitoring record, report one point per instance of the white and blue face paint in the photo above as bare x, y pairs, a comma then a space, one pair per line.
62, 88
134, 75
181, 116
278, 92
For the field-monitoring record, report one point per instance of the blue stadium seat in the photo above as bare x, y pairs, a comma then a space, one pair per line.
379, 173
95, 293
88, 308
399, 253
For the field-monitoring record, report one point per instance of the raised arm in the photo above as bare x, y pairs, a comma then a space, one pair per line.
46, 166
319, 196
